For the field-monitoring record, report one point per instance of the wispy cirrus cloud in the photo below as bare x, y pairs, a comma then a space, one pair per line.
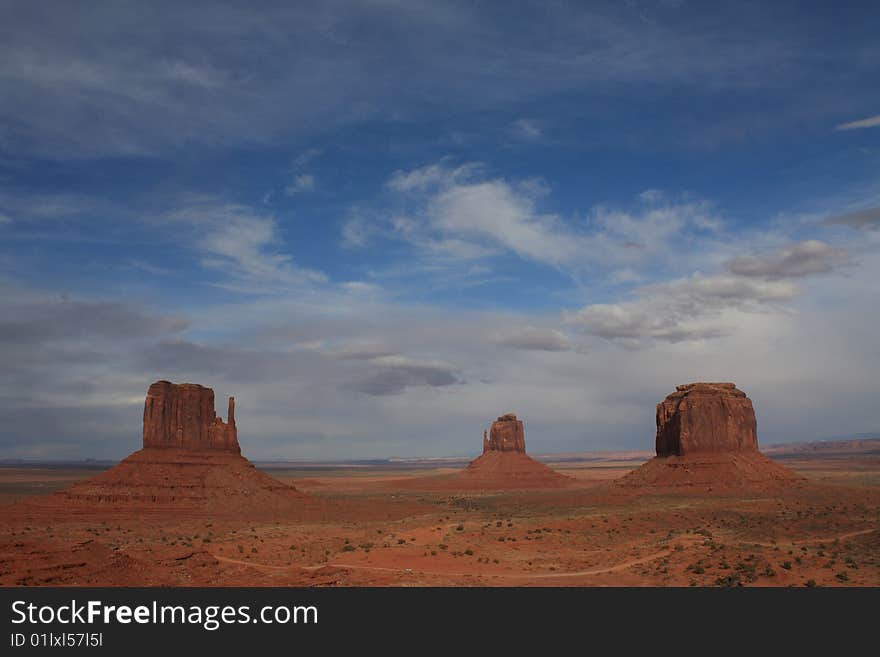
527, 130
870, 122
532, 338
243, 244
462, 211
304, 182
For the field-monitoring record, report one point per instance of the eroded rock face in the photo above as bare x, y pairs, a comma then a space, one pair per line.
182, 415
507, 435
706, 418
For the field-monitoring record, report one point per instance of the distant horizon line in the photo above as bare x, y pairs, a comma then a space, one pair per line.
869, 435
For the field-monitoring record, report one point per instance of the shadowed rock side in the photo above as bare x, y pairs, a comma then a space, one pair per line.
182, 415
707, 438
190, 460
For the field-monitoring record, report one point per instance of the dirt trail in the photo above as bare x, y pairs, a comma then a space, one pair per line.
595, 571
810, 541
526, 576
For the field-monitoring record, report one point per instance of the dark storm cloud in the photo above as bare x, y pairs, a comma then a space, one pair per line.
44, 320
869, 218
395, 379
803, 259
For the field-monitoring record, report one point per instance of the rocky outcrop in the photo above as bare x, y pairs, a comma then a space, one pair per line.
707, 440
506, 435
190, 462
182, 415
504, 463
706, 417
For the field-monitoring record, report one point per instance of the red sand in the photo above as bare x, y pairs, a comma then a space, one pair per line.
495, 471
348, 532
184, 479
747, 471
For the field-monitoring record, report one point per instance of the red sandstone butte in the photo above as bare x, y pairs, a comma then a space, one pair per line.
190, 460
707, 437
504, 463
182, 415
506, 435
706, 417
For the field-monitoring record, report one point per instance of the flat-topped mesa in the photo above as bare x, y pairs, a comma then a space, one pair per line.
706, 418
182, 415
506, 435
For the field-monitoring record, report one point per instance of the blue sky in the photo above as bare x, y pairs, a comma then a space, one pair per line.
381, 224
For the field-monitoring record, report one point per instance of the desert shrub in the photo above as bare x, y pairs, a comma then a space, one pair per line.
842, 577
401, 541
348, 547
786, 565
469, 552
810, 584
729, 580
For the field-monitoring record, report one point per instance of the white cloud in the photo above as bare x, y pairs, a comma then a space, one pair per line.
242, 244
304, 182
688, 309
461, 213
496, 213
431, 177
527, 130
652, 195
302, 159
357, 231
870, 122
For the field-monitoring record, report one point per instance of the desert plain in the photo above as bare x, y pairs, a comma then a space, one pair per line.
404, 524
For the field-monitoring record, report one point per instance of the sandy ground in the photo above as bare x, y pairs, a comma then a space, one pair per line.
362, 528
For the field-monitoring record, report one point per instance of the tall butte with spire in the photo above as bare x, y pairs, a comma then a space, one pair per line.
504, 462
182, 416
190, 458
